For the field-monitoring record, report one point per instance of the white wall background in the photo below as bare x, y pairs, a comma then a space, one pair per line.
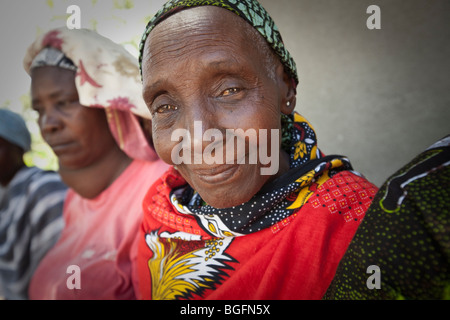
376, 96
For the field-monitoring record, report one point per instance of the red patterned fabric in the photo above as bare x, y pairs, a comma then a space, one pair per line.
295, 258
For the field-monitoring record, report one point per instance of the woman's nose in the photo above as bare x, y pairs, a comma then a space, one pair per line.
50, 122
201, 122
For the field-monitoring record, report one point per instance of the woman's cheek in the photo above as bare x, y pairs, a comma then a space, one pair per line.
163, 145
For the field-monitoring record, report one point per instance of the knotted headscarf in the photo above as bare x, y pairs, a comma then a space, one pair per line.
107, 76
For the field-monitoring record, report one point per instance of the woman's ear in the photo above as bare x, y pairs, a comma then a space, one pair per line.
288, 91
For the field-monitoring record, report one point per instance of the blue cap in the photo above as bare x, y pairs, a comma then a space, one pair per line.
14, 129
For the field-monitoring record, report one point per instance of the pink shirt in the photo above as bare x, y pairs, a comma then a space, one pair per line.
95, 251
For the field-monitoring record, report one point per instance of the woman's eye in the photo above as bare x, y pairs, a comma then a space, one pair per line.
66, 103
166, 108
37, 109
230, 91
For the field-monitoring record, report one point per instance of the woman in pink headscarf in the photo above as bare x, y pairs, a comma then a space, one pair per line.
87, 92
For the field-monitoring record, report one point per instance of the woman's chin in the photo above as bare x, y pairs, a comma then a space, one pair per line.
222, 201
229, 186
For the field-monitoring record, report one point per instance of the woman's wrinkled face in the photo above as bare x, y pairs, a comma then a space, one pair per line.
78, 135
201, 72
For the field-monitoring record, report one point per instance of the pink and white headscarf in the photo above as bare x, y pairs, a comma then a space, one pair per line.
107, 76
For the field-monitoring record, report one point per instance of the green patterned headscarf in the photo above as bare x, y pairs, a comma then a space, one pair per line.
249, 10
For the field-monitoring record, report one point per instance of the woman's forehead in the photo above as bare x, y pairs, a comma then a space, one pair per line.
197, 18
198, 30
52, 75
52, 82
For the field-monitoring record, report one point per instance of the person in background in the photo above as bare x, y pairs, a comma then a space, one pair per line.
87, 92
228, 226
405, 236
31, 202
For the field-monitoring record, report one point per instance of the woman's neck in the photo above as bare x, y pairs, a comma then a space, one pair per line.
92, 180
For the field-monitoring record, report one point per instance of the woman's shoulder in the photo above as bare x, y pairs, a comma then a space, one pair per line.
346, 195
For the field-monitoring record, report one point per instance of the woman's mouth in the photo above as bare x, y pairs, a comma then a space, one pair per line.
216, 174
59, 148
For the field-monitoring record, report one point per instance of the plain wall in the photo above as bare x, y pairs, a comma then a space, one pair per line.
377, 96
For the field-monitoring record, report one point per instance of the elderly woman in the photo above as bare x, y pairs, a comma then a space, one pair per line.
220, 225
86, 90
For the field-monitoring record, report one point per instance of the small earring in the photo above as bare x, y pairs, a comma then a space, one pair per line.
288, 103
